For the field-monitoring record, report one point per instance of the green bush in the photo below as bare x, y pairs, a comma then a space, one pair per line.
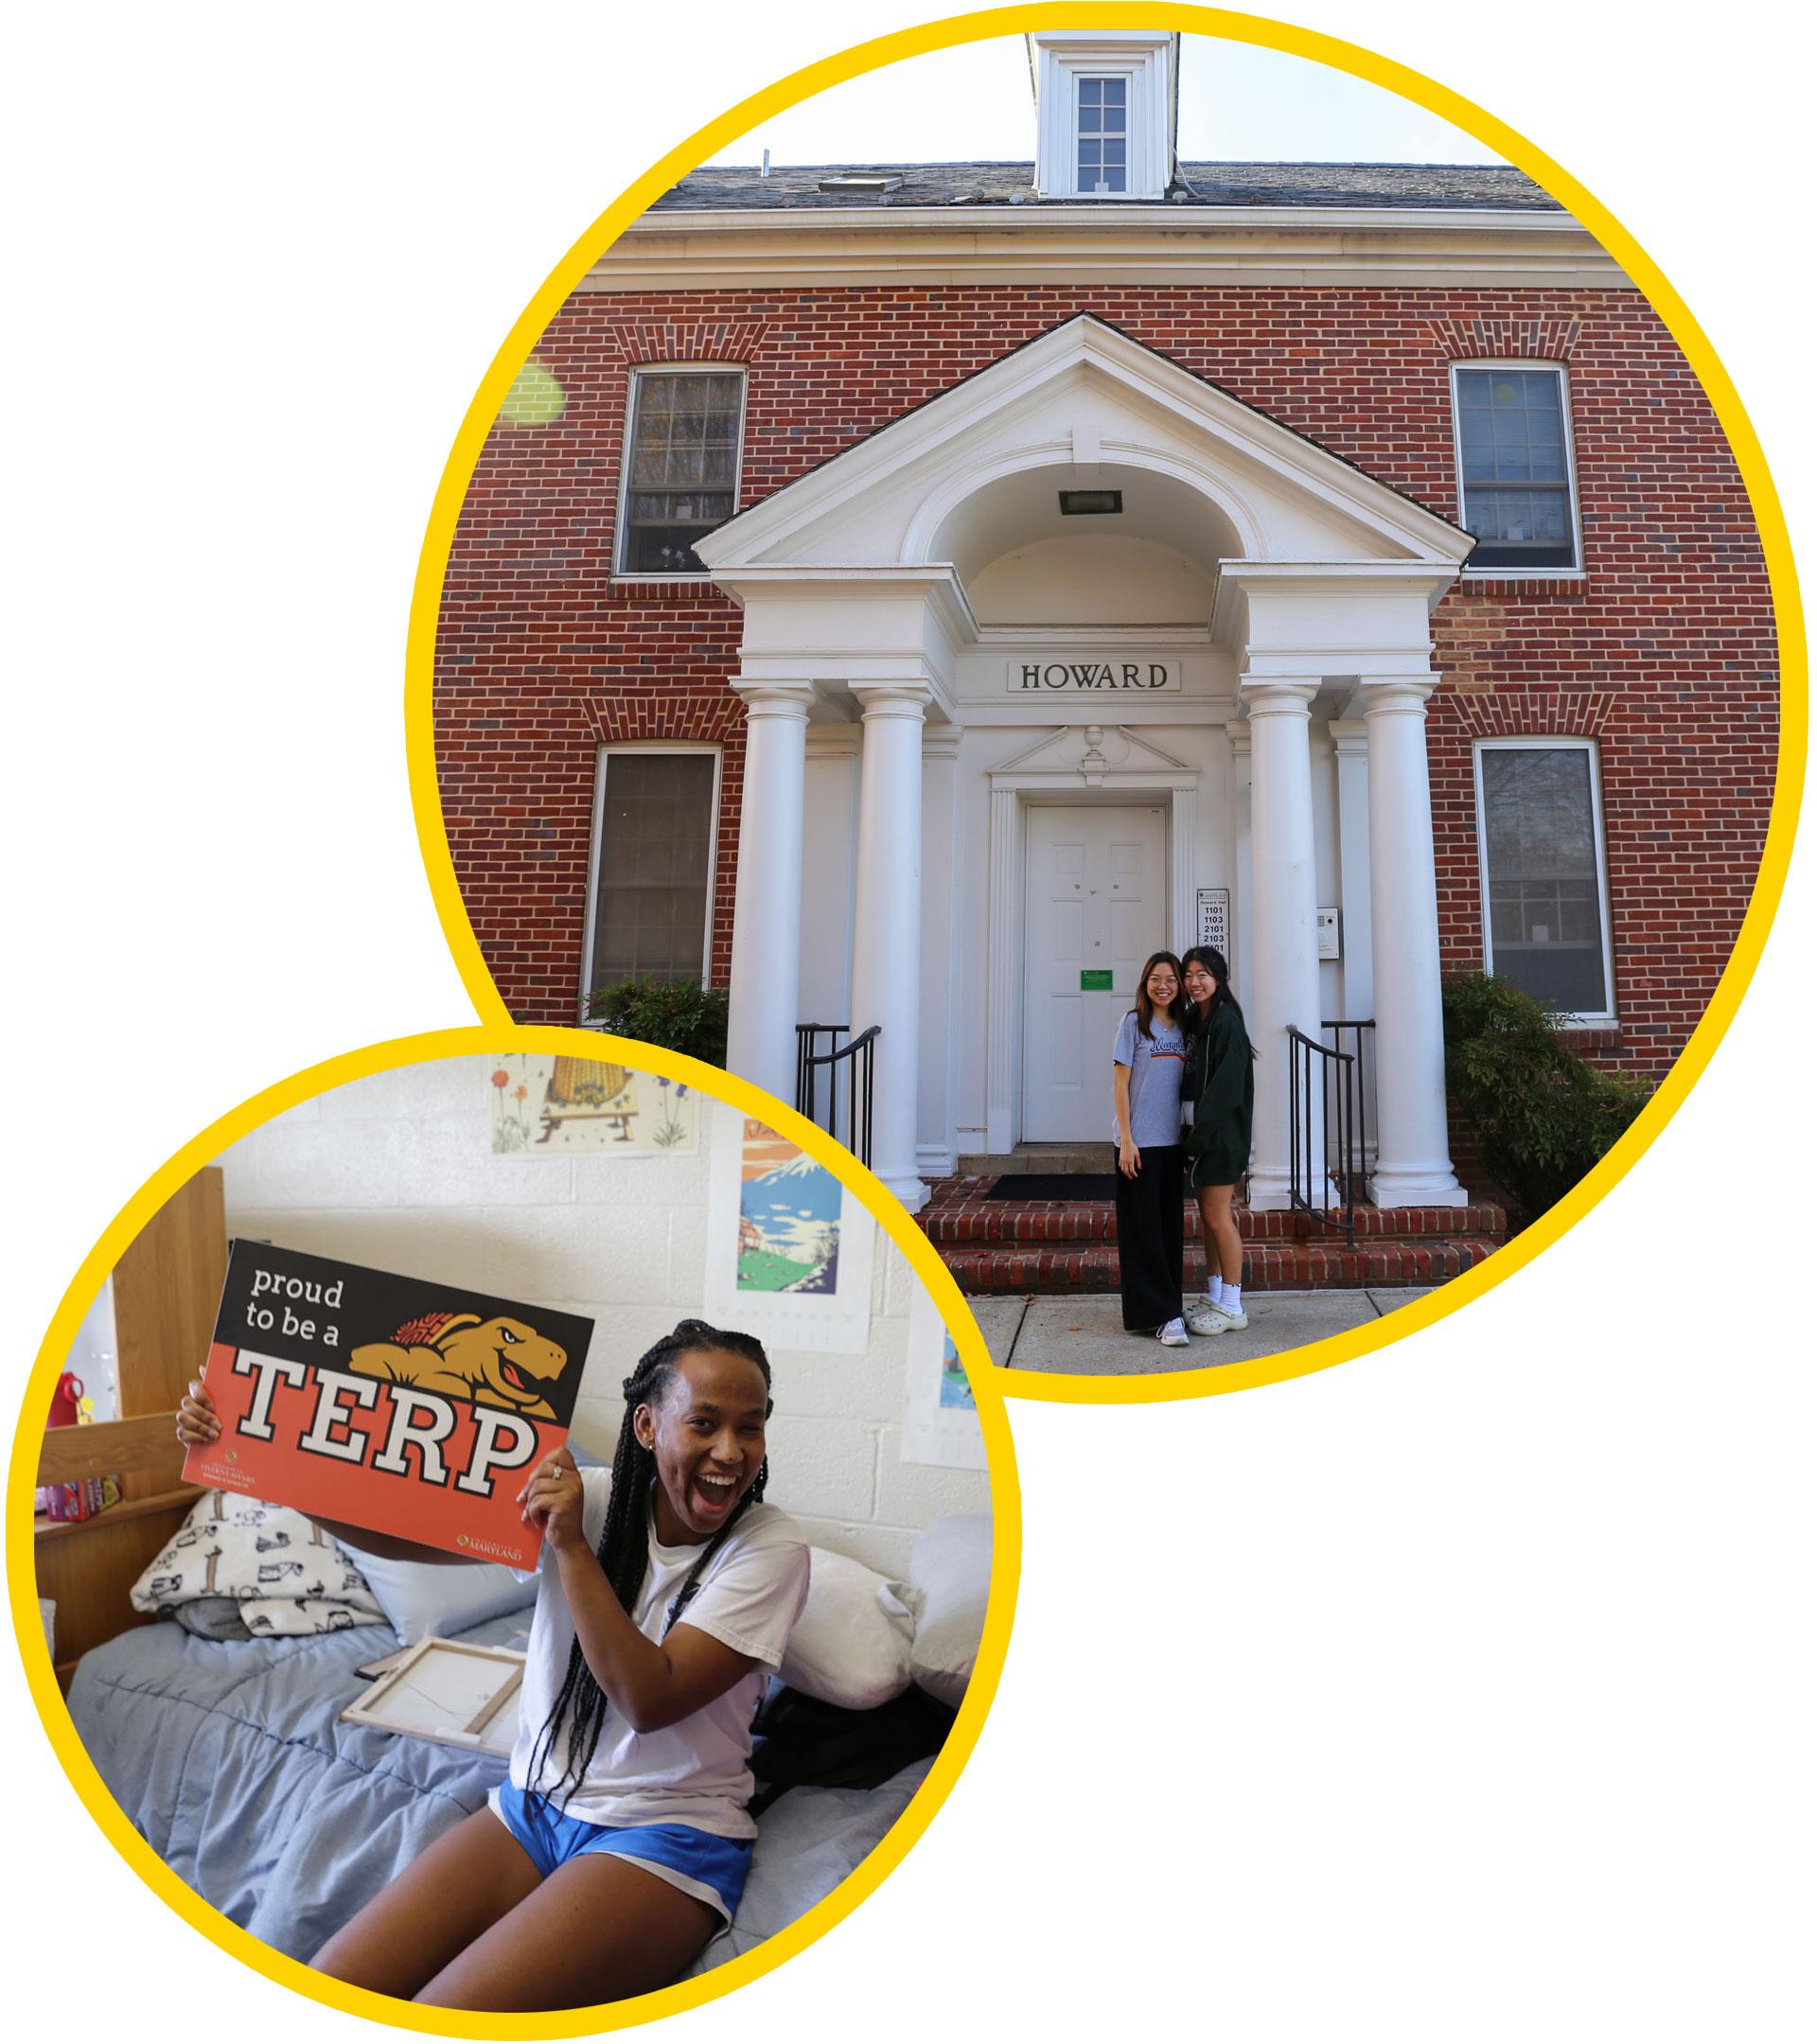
676, 1014
1545, 1116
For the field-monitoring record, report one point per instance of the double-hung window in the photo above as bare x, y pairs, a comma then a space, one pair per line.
650, 901
681, 468
1514, 466
1546, 892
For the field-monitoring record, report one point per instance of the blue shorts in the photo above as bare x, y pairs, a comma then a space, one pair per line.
710, 1868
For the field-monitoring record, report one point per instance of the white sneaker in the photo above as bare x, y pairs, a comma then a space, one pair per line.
1173, 1334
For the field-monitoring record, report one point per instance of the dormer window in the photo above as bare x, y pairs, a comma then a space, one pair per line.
1105, 107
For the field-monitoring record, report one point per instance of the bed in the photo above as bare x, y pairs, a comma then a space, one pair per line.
230, 1760
228, 1755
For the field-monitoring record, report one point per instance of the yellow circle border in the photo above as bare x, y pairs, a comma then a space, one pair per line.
1410, 84
53, 1353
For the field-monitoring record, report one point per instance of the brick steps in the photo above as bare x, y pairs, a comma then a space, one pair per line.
954, 1220
1297, 1266
1070, 1246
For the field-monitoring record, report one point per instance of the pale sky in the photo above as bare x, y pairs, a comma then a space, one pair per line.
1238, 104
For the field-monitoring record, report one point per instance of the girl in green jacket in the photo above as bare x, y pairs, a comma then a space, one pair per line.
1219, 1101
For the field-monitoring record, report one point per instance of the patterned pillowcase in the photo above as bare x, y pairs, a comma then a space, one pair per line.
280, 1574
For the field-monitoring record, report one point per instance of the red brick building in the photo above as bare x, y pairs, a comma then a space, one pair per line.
1343, 559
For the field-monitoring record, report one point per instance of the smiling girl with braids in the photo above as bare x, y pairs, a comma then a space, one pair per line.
621, 1841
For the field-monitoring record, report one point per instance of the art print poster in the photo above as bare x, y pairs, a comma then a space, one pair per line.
940, 1422
410, 1408
788, 1248
542, 1105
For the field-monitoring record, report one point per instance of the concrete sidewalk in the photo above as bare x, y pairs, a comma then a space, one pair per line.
1081, 1333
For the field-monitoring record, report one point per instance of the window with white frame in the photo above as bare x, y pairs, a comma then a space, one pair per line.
681, 466
1514, 466
1101, 135
1546, 892
1104, 113
650, 900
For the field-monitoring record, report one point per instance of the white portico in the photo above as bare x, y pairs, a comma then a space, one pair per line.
1003, 735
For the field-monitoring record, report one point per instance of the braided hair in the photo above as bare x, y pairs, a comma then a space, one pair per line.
623, 1548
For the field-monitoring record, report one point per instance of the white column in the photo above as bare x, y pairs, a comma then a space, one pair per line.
1002, 1111
1349, 736
941, 1033
1183, 849
767, 918
1242, 896
1413, 1150
1283, 941
886, 934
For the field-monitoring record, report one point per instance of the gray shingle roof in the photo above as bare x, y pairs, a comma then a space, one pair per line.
740, 188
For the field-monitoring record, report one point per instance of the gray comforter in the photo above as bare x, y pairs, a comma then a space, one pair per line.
230, 1760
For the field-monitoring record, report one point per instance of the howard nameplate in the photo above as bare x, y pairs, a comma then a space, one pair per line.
1093, 677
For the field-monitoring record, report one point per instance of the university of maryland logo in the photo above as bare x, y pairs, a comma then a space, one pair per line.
496, 1362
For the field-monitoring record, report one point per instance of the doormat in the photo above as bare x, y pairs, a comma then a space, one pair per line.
1077, 1189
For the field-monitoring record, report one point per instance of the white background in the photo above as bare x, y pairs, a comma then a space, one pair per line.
1461, 1692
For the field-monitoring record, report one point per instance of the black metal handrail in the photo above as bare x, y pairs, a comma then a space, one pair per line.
858, 1059
1365, 1083
1319, 1157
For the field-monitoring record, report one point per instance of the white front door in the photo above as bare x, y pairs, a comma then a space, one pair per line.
1096, 910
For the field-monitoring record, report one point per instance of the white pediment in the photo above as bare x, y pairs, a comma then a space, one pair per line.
976, 473
1095, 755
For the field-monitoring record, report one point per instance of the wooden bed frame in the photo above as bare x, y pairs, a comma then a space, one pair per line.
166, 1290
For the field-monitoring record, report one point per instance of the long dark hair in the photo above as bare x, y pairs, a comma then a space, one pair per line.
1214, 962
623, 1548
1145, 1008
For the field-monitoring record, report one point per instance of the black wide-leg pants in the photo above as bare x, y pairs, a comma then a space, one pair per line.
1150, 1239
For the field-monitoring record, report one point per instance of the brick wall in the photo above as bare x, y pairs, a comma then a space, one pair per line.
1665, 652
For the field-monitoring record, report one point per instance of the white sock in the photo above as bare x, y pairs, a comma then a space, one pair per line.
1232, 1300
1214, 1291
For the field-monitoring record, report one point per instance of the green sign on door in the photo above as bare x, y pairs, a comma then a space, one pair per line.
1094, 982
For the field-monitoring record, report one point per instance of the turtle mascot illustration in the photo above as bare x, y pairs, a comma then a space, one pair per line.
496, 1362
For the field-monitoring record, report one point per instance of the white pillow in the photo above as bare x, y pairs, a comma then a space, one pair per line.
950, 1568
432, 1599
852, 1643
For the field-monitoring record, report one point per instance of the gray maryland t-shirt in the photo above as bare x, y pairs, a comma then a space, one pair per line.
1155, 1068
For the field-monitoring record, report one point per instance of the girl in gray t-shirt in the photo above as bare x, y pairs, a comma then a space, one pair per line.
1147, 1064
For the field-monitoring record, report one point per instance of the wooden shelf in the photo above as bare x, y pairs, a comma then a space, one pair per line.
53, 1529
147, 1445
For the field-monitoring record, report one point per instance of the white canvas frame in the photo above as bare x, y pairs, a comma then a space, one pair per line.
481, 1684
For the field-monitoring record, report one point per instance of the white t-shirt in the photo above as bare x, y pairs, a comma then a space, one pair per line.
695, 1771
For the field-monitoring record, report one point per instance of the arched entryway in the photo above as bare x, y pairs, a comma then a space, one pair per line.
1188, 583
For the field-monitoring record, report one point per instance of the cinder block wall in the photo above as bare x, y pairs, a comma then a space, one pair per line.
396, 1172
